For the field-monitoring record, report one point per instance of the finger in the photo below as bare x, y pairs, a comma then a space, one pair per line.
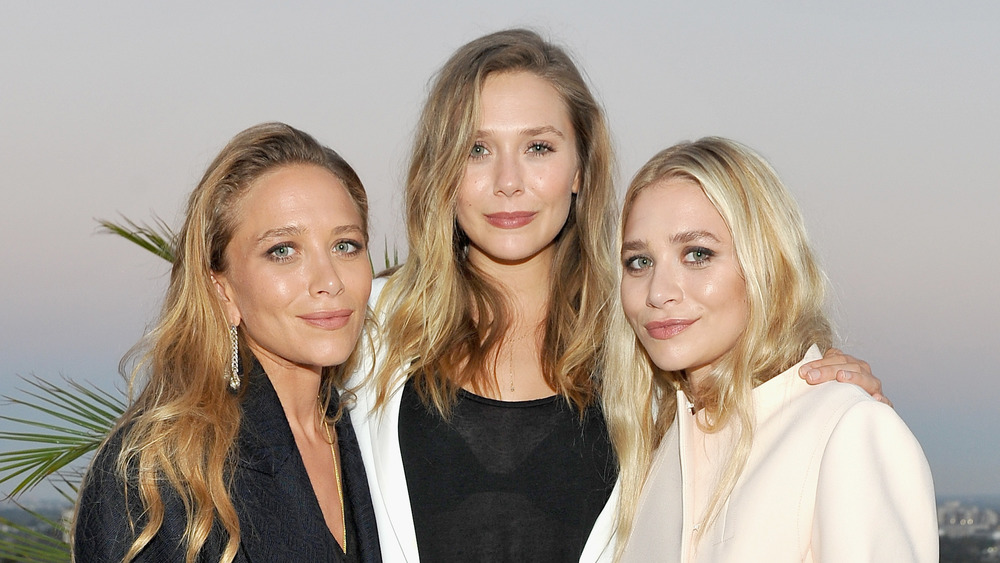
846, 363
866, 381
883, 399
832, 356
820, 374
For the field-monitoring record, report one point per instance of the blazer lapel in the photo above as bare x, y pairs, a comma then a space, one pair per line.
389, 472
356, 491
280, 518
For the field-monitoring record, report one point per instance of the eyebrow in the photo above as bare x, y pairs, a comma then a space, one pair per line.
679, 238
280, 232
531, 132
295, 230
691, 236
633, 246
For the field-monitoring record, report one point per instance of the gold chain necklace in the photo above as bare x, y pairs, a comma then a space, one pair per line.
336, 473
510, 360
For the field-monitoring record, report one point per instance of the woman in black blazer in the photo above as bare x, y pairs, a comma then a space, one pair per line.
238, 447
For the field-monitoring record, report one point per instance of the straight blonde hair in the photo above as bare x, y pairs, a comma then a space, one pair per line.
785, 288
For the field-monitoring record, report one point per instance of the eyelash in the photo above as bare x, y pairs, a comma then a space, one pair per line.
357, 247
630, 263
706, 253
474, 156
271, 252
537, 147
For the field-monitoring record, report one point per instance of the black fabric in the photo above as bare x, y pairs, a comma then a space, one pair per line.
504, 481
280, 518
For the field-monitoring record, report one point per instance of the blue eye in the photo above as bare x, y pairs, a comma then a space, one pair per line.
638, 263
478, 151
539, 148
348, 247
281, 252
698, 256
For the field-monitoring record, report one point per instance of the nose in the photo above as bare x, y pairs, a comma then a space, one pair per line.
665, 287
508, 179
324, 277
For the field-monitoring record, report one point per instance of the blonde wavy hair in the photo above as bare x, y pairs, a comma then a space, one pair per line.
446, 318
785, 289
181, 428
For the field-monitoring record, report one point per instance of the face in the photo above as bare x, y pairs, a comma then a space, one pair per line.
683, 288
298, 276
522, 171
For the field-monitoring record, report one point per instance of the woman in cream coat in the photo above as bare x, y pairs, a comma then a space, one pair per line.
725, 296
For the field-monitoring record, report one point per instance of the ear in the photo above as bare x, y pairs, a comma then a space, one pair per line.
576, 181
227, 297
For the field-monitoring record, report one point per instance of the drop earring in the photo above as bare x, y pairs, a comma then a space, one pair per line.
234, 367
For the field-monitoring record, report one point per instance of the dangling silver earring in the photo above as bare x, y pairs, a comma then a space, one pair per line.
234, 368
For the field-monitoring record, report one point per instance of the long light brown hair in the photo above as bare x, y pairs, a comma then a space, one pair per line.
446, 318
181, 428
785, 290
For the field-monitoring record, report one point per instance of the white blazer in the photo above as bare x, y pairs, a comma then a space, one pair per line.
833, 475
378, 436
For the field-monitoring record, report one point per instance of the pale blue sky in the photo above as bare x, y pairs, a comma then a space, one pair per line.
884, 121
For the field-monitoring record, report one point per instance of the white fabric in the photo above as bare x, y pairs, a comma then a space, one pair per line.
833, 475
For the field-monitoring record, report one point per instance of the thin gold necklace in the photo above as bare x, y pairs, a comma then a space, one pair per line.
510, 359
336, 473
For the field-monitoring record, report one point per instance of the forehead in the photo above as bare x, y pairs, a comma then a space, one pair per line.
525, 98
672, 206
298, 192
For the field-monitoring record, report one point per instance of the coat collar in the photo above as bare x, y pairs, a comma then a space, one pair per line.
265, 439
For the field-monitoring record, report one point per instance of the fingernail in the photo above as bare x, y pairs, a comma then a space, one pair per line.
812, 374
847, 375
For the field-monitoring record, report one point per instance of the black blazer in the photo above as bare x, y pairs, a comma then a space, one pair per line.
280, 518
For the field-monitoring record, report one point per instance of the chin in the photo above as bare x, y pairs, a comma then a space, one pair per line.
667, 361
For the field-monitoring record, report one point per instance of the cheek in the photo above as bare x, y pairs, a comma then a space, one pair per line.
731, 296
360, 281
632, 300
260, 293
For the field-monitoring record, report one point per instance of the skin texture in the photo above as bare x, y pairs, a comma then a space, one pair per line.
512, 203
637, 288
837, 365
297, 286
298, 277
518, 185
683, 290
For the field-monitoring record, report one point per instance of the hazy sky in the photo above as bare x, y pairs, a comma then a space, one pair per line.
884, 121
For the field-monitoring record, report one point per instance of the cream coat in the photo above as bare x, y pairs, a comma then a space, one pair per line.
833, 475
378, 436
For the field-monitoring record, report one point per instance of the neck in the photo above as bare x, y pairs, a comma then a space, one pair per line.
525, 283
297, 388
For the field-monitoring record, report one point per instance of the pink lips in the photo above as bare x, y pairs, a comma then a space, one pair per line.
329, 320
510, 219
662, 330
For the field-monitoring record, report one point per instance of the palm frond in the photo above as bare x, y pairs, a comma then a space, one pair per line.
81, 418
395, 255
158, 238
26, 543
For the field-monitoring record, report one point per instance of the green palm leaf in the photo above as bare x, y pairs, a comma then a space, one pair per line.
158, 238
81, 418
25, 543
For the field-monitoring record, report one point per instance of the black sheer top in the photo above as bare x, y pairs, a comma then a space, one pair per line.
504, 481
